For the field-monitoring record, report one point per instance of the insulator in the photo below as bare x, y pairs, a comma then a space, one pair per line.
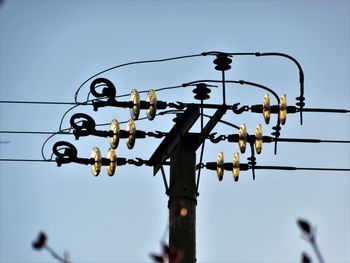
201, 92
111, 155
242, 138
223, 62
115, 128
258, 139
131, 129
266, 108
135, 109
96, 155
236, 167
152, 100
220, 166
283, 109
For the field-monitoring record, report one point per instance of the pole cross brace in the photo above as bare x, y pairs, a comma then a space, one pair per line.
173, 138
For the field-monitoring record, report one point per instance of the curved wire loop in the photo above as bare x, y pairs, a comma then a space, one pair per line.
108, 91
86, 127
65, 152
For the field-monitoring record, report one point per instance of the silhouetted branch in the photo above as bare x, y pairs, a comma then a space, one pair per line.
309, 234
41, 243
305, 258
169, 254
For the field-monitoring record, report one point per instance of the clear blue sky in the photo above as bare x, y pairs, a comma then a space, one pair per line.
48, 48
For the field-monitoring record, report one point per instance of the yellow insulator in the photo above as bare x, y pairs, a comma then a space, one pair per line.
236, 167
283, 109
115, 128
220, 166
131, 129
96, 155
152, 99
258, 139
135, 99
266, 108
111, 155
242, 138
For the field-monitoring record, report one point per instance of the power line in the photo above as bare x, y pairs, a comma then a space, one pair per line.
258, 167
292, 168
86, 103
40, 102
34, 132
267, 139
326, 110
300, 140
129, 64
24, 160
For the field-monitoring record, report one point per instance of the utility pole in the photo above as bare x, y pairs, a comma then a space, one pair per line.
183, 200
180, 145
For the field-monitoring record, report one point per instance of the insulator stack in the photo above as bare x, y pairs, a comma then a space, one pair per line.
202, 92
222, 62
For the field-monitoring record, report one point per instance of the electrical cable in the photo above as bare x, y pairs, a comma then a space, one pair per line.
300, 140
301, 98
202, 151
40, 102
224, 122
326, 110
64, 115
34, 132
129, 64
103, 124
291, 168
300, 104
277, 128
43, 145
73, 107
24, 160
86, 102
62, 132
295, 140
121, 122
258, 167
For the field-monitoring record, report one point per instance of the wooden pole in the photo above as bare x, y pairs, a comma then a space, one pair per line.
182, 203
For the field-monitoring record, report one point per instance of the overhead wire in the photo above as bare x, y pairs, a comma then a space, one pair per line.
24, 160
76, 103
301, 98
34, 132
103, 124
39, 102
129, 64
63, 132
43, 145
202, 150
258, 167
80, 103
86, 103
173, 112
